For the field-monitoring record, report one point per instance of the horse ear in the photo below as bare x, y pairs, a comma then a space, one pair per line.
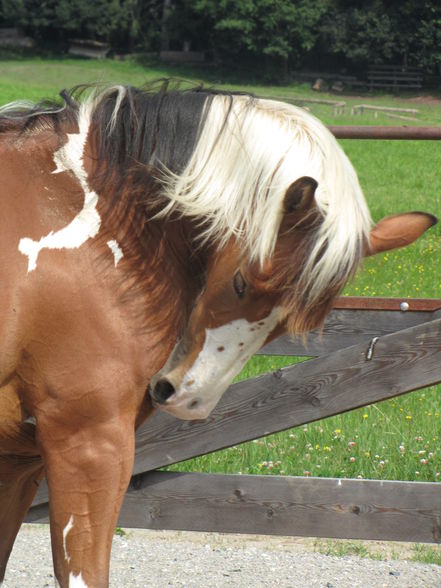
398, 231
300, 195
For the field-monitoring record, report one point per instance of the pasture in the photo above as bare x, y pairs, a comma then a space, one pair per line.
397, 439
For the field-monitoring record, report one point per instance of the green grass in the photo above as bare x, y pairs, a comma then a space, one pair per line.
346, 549
378, 551
427, 554
397, 439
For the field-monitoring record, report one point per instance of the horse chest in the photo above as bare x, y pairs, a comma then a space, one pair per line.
61, 322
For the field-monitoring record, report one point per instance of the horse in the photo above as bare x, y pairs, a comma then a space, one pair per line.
151, 241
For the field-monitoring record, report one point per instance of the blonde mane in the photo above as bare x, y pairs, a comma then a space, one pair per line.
248, 153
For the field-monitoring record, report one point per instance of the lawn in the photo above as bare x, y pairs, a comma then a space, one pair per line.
397, 439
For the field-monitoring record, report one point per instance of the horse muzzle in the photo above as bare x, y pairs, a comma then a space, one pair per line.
181, 405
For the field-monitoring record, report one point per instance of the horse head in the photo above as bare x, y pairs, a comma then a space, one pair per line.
245, 304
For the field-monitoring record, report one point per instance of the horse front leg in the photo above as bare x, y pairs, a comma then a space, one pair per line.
21, 469
88, 468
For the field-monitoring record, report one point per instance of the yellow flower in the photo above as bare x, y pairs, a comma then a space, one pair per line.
365, 416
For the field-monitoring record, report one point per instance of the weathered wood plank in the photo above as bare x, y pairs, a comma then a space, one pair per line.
275, 505
298, 394
344, 328
353, 509
295, 395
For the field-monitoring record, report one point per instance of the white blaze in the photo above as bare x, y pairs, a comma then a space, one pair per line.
86, 223
225, 351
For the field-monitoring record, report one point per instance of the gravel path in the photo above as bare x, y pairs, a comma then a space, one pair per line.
204, 560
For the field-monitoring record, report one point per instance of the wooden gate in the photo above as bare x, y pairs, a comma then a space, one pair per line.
370, 350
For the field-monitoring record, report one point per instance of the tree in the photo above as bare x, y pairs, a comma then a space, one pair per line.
362, 34
418, 32
282, 30
381, 31
263, 34
12, 12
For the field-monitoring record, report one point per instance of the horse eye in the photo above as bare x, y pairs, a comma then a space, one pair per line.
239, 284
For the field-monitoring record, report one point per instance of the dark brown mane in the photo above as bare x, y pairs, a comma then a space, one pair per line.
135, 134
142, 132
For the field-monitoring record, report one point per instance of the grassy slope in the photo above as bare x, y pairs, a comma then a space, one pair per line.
398, 439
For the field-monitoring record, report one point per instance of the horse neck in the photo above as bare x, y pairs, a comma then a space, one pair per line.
164, 270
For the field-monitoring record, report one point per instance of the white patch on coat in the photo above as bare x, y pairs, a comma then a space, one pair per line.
116, 250
225, 351
76, 581
66, 530
86, 223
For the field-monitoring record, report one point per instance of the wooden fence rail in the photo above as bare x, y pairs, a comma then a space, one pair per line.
408, 133
364, 356
281, 505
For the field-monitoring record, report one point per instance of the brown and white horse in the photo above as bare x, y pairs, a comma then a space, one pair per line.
138, 221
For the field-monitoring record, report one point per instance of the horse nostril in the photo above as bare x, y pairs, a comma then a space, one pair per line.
162, 391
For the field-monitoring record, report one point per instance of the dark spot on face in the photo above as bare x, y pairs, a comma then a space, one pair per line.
261, 323
221, 348
241, 344
193, 404
189, 383
252, 329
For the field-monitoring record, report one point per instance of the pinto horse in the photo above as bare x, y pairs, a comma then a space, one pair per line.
151, 241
